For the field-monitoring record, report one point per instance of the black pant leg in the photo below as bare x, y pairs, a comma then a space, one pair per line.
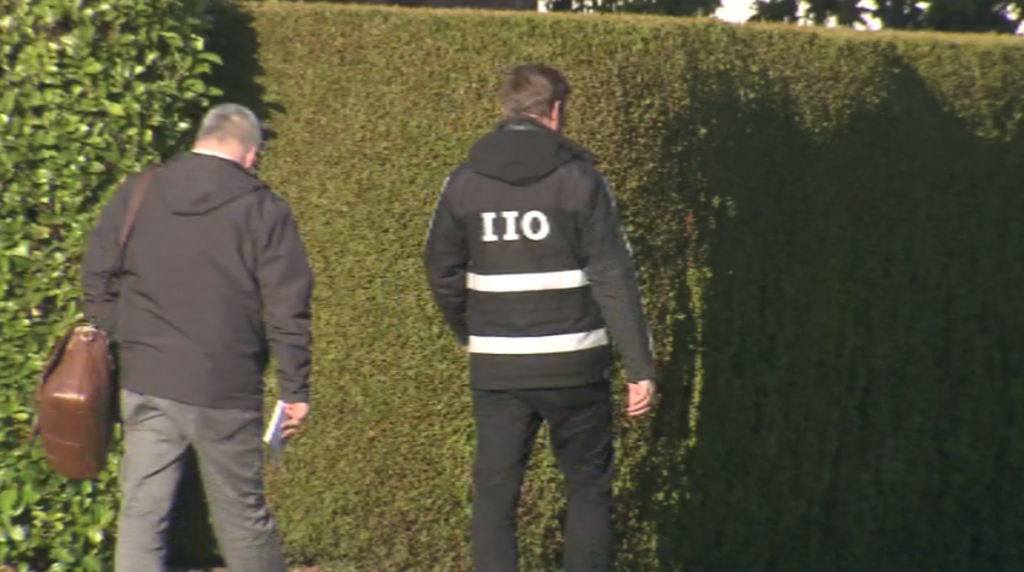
580, 422
506, 428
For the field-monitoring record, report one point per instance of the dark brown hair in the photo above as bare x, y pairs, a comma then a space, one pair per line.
533, 90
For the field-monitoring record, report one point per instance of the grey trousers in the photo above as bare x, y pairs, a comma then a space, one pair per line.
229, 448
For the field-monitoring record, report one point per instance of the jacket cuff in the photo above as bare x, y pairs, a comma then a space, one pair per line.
461, 335
300, 396
647, 373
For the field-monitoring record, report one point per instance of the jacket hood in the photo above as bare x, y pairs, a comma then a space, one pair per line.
205, 183
521, 152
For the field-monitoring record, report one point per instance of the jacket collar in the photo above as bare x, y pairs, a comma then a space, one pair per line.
526, 123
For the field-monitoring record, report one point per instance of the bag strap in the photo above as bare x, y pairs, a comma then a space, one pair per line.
138, 192
134, 202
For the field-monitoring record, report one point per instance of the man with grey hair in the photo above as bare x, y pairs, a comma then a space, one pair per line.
213, 279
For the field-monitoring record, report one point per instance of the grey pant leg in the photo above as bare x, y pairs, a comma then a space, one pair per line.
150, 470
229, 447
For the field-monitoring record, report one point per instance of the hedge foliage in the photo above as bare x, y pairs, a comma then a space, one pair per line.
89, 91
827, 228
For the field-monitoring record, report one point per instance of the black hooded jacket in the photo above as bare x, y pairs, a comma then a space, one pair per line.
529, 265
215, 279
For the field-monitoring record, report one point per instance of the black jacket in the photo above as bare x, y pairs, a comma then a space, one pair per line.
215, 277
529, 265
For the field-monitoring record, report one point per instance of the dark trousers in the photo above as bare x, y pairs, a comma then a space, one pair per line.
580, 423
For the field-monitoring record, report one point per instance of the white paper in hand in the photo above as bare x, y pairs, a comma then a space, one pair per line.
274, 437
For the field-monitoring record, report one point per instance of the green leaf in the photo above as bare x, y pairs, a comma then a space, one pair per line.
93, 67
64, 554
106, 517
115, 109
173, 40
95, 535
194, 85
8, 499
92, 563
29, 494
23, 250
211, 57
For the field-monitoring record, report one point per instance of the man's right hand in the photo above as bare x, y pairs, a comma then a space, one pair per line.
295, 414
640, 397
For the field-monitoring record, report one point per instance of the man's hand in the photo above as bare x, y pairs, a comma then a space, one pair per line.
295, 414
640, 396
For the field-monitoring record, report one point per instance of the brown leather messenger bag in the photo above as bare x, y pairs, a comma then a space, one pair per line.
76, 398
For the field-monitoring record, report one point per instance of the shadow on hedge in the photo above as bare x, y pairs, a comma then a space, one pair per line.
860, 406
236, 41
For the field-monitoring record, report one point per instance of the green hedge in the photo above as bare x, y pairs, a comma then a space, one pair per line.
89, 91
827, 226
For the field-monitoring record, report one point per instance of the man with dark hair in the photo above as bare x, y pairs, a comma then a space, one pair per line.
215, 277
529, 266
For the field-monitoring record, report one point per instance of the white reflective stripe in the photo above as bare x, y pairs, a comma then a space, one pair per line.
539, 344
532, 282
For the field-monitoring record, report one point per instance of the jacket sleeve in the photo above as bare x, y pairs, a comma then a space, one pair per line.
612, 275
286, 286
99, 288
445, 256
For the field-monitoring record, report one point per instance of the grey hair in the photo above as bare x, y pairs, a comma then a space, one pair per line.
231, 122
